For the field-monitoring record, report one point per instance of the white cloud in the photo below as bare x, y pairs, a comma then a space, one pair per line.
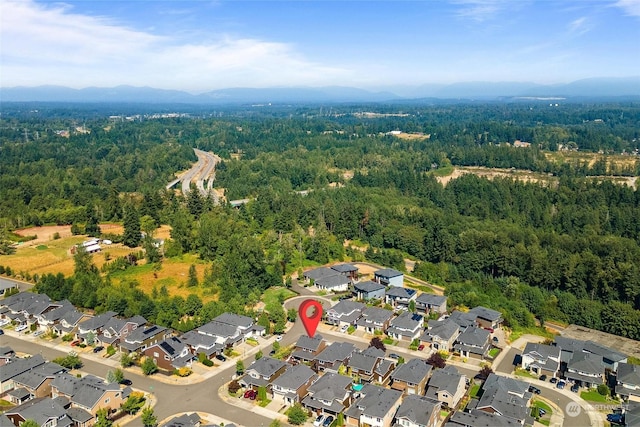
50, 44
631, 7
480, 10
581, 25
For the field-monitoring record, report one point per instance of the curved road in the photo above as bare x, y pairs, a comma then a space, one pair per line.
202, 170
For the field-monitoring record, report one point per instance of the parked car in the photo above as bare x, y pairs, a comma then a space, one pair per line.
495, 339
344, 328
249, 393
394, 356
75, 343
21, 328
1, 332
4, 322
319, 420
253, 395
553, 380
221, 357
272, 353
615, 418
561, 384
279, 338
327, 421
38, 333
421, 347
98, 349
126, 382
541, 412
542, 377
490, 330
533, 389
575, 388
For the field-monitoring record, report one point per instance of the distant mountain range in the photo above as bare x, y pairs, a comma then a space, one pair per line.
587, 88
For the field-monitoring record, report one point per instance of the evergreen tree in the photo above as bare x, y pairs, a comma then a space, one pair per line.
149, 419
193, 277
91, 227
131, 237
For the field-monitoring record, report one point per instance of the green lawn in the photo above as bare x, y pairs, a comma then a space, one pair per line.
534, 330
594, 396
474, 390
272, 297
538, 404
524, 373
494, 352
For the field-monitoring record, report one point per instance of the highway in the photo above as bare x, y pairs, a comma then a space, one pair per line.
203, 170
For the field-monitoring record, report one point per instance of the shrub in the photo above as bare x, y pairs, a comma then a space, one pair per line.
149, 366
183, 372
297, 415
603, 390
234, 386
67, 337
111, 351
207, 362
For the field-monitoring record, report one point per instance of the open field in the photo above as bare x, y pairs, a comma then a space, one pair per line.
575, 157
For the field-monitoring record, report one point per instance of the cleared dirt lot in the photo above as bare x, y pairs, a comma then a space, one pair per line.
625, 345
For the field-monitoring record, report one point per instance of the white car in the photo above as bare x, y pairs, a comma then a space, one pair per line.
318, 421
4, 322
38, 333
21, 328
279, 338
344, 328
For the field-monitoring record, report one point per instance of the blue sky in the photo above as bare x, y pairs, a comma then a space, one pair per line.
204, 45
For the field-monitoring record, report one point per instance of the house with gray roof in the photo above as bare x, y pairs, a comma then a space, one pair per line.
406, 327
505, 404
329, 279
399, 297
68, 323
447, 385
262, 372
184, 420
487, 318
18, 366
473, 342
116, 329
222, 332
374, 319
93, 325
43, 410
337, 283
25, 307
345, 312
418, 411
7, 285
48, 319
541, 359
389, 277
476, 418
368, 290
511, 385
585, 369
37, 381
333, 356
89, 393
170, 354
440, 334
411, 377
314, 274
6, 355
348, 270
431, 303
330, 394
291, 387
462, 319
370, 365
373, 406
628, 382
569, 346
306, 348
141, 338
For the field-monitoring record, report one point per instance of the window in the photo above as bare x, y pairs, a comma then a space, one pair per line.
166, 357
155, 354
107, 400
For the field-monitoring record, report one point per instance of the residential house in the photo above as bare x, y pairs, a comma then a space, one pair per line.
23, 308
185, 420
348, 270
462, 319
170, 354
506, 397
89, 393
370, 365
7, 285
222, 332
48, 319
262, 372
328, 279
610, 357
330, 394
6, 355
541, 359
291, 387
632, 415
37, 381
406, 327
369, 290
69, 322
332, 357
389, 277
440, 334
117, 329
585, 369
18, 366
473, 342
418, 411
138, 340
431, 303
43, 410
487, 318
628, 382
476, 418
375, 319
92, 327
373, 406
400, 298
447, 385
307, 347
411, 377
320, 273
345, 313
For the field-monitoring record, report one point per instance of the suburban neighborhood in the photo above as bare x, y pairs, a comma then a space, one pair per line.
386, 354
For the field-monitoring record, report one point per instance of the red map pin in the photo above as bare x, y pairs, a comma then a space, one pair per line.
310, 322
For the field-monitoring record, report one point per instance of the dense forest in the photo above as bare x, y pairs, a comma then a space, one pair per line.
566, 249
